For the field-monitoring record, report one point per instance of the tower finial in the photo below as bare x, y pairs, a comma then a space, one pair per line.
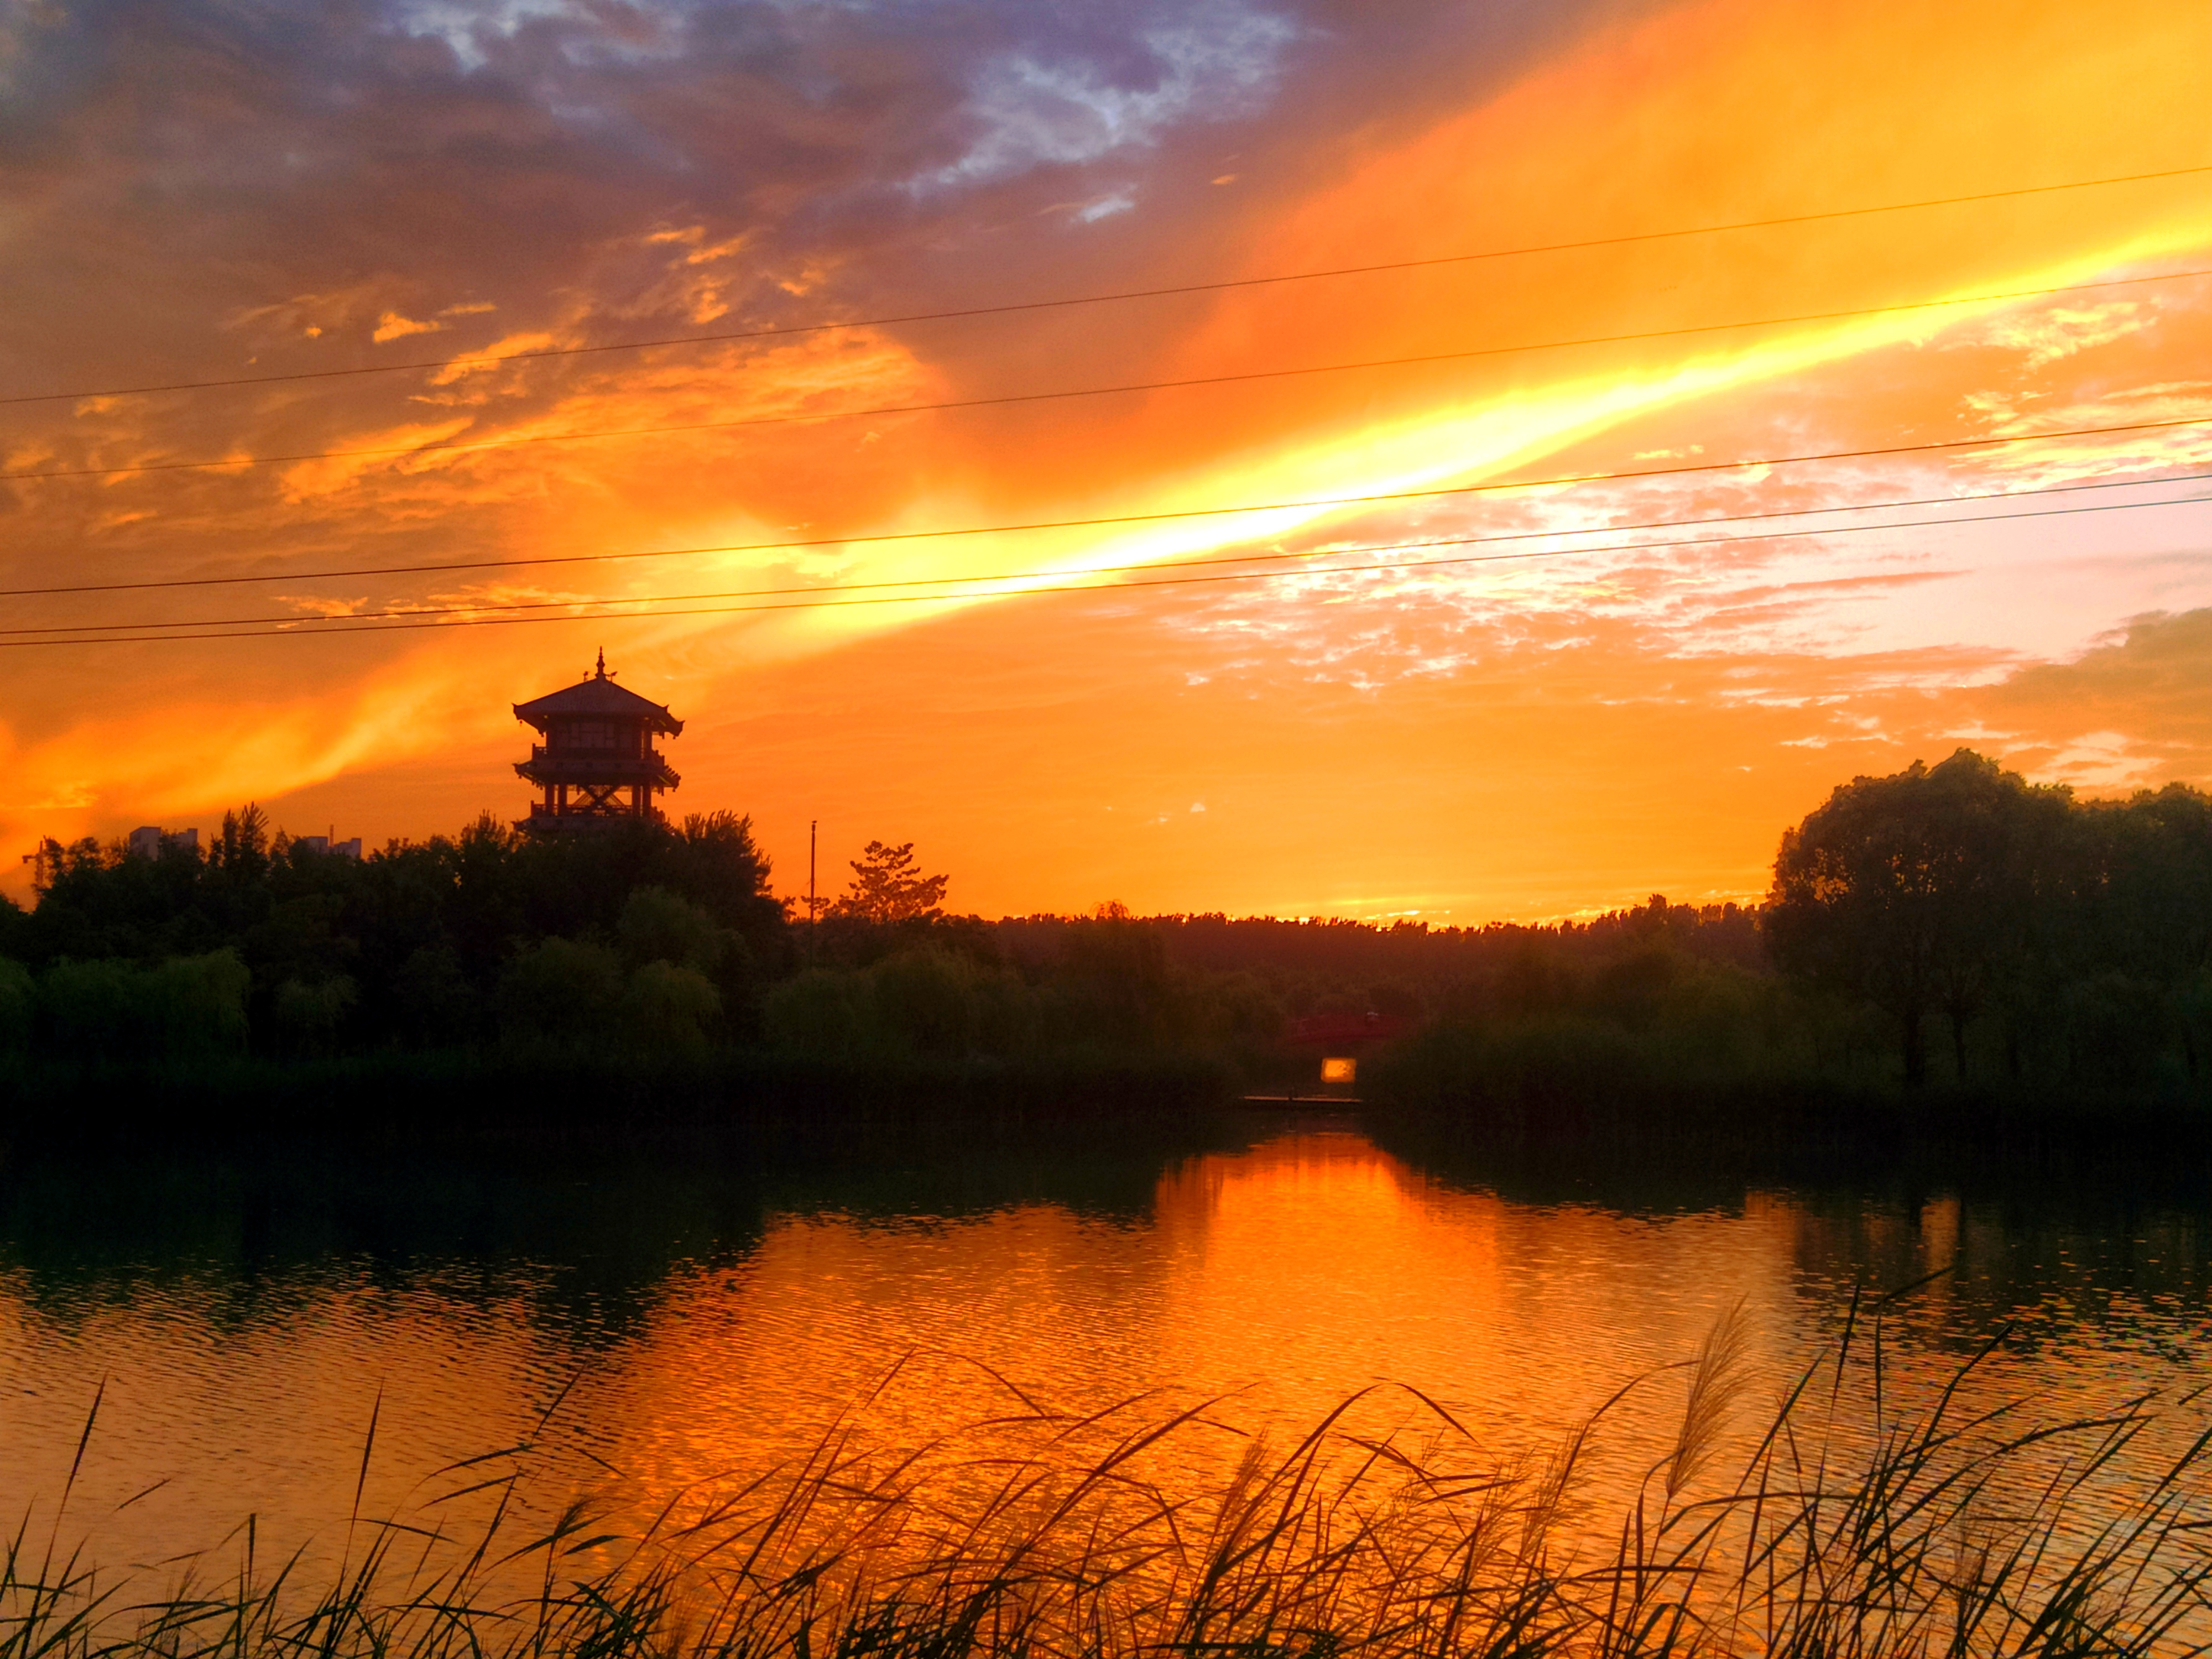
603, 662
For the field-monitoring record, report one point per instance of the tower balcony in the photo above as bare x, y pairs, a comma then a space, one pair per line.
573, 766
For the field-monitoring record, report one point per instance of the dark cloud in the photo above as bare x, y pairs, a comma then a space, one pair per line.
212, 187
174, 163
2151, 688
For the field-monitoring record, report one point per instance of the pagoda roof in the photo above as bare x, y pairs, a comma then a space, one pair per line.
598, 695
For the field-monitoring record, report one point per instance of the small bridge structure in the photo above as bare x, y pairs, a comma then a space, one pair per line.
1337, 1040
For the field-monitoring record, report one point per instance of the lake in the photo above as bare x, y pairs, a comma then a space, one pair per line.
692, 1316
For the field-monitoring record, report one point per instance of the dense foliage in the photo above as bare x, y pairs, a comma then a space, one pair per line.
2063, 947
664, 932
664, 939
2055, 944
2074, 937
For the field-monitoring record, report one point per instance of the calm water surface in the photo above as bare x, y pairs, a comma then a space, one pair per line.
699, 1316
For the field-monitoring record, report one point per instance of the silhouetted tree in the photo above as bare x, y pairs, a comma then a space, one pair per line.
242, 844
560, 993
1118, 982
670, 1009
19, 1004
1914, 892
887, 890
410, 943
2081, 932
2144, 885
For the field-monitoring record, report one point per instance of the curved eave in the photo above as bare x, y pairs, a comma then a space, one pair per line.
652, 715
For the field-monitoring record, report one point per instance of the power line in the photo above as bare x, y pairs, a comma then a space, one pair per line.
340, 623
474, 446
1017, 306
602, 616
1166, 515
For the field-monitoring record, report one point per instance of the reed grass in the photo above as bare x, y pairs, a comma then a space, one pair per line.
1850, 1526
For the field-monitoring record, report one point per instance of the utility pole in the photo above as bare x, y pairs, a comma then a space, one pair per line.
813, 911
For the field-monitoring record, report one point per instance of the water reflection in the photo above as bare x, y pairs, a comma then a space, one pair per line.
699, 1316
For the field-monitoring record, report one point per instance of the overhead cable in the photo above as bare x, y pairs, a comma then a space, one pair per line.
304, 628
295, 619
1375, 498
669, 429
424, 365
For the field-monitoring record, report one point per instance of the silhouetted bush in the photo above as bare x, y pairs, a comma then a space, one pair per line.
925, 1001
124, 1011
19, 1003
433, 1003
560, 993
820, 1012
658, 925
670, 1009
935, 1001
310, 1013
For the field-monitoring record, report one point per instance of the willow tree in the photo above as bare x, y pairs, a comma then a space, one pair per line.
2146, 874
1920, 892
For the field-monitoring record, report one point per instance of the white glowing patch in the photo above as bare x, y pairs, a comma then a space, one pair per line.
318, 605
463, 25
2047, 335
1105, 207
1215, 61
1445, 446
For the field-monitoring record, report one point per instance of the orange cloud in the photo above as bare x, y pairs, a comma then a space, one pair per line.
1501, 738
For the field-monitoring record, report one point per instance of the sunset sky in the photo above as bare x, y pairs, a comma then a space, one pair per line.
211, 191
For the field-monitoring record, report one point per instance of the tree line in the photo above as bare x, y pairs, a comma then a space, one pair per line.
2035, 937
663, 930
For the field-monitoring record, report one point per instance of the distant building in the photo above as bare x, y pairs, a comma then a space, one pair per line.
147, 840
598, 763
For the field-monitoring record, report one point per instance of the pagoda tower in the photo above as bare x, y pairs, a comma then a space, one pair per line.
598, 763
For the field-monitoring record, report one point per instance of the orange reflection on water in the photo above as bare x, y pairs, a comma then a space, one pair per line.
1275, 1281
1279, 1281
